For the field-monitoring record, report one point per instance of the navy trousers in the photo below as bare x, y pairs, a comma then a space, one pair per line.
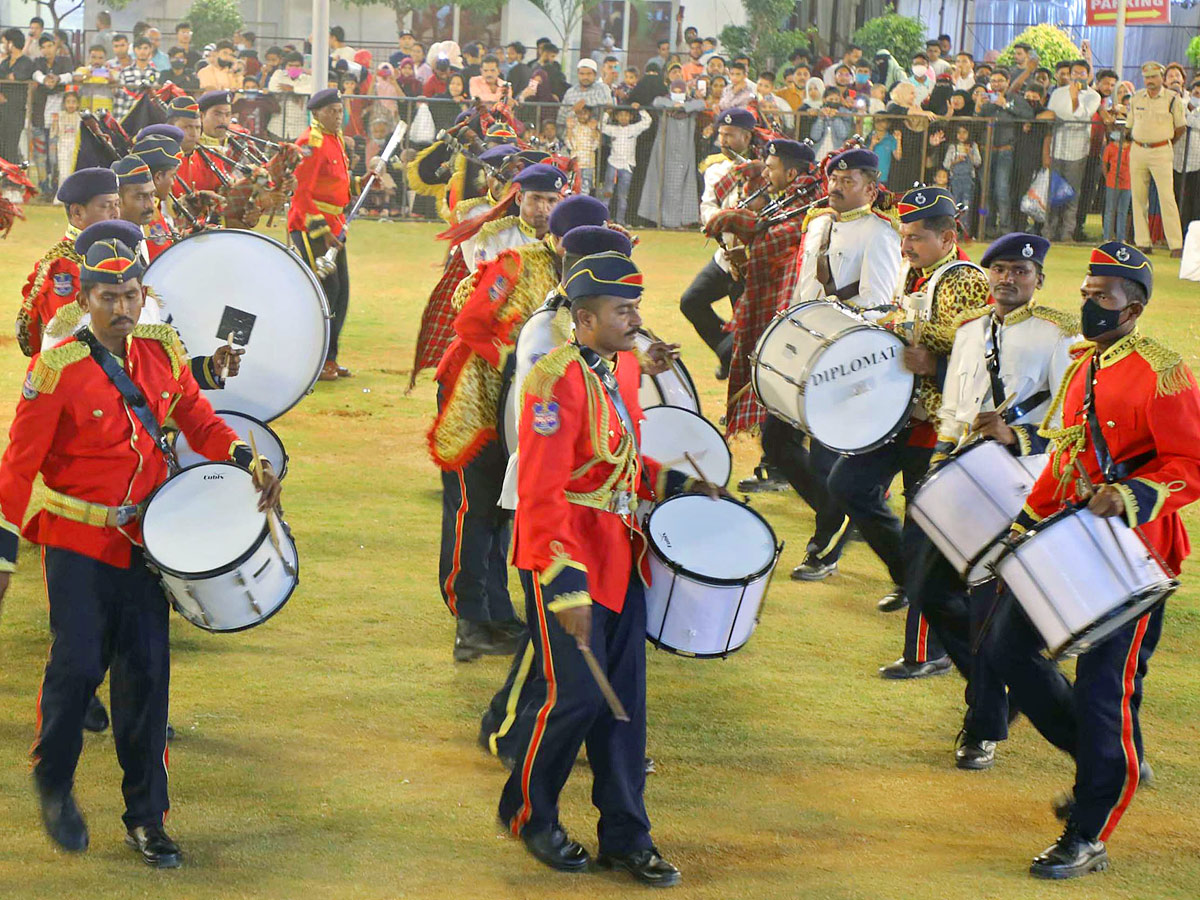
336, 285
106, 619
508, 720
572, 712
1096, 719
711, 285
806, 463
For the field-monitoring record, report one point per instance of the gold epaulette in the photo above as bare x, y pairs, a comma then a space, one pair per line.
547, 371
169, 338
1068, 323
813, 213
890, 215
48, 366
61, 250
465, 206
711, 161
491, 229
414, 177
64, 320
1080, 348
316, 138
970, 315
1172, 375
458, 177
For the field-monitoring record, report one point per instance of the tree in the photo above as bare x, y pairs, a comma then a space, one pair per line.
763, 38
214, 20
1051, 44
902, 36
401, 8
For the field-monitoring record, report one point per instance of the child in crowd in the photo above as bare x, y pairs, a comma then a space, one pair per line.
583, 140
384, 197
941, 178
1117, 193
622, 91
64, 133
962, 159
884, 144
548, 139
621, 157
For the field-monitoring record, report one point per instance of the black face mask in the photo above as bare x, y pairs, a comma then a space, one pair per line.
1096, 320
178, 63
224, 63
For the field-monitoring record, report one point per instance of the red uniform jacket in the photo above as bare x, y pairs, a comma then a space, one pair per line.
567, 531
74, 428
158, 233
1146, 402
53, 284
322, 184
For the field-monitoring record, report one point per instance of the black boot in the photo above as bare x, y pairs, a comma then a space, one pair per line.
1070, 856
96, 717
901, 669
555, 849
61, 817
974, 753
156, 847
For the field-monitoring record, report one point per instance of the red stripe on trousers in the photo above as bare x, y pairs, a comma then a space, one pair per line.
1132, 764
539, 728
456, 566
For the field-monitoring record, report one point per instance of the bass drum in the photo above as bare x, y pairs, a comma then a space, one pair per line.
243, 283
267, 441
669, 432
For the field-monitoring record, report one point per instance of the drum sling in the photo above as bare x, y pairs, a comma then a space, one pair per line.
1016, 411
825, 274
1111, 471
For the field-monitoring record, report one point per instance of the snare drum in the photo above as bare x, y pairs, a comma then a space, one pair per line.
212, 547
669, 432
967, 504
834, 376
673, 387
710, 564
1080, 578
265, 439
216, 283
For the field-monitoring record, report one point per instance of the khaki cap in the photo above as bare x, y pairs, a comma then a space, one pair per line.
1153, 68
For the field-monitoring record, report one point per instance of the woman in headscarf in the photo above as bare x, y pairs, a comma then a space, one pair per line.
444, 111
913, 122
407, 78
670, 196
649, 87
385, 86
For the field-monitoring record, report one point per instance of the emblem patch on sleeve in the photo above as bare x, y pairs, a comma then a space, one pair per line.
545, 418
27, 390
64, 284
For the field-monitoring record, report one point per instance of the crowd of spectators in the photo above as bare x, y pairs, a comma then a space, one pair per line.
641, 134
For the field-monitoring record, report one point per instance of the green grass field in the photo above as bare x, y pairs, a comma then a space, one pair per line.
331, 753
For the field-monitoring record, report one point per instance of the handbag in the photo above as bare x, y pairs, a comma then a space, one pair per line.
422, 130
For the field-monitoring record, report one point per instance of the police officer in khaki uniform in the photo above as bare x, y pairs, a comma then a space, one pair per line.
1155, 122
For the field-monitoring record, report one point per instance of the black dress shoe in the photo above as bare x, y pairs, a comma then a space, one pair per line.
763, 481
474, 639
1145, 776
904, 670
62, 819
894, 601
974, 753
156, 847
508, 629
553, 848
648, 765
96, 717
1070, 856
644, 865
813, 569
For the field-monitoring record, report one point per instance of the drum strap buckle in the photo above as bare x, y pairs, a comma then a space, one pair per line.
123, 515
620, 503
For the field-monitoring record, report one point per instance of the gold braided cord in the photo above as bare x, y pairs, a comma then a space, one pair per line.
970, 315
624, 460
569, 600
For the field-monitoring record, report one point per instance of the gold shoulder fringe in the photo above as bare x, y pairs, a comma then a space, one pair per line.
970, 315
711, 160
1068, 323
1172, 373
813, 213
548, 370
414, 177
169, 338
890, 215
61, 250
64, 320
47, 368
488, 229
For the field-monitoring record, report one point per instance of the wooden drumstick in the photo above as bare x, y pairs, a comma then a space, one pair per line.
229, 345
974, 432
272, 519
695, 465
602, 682
1085, 477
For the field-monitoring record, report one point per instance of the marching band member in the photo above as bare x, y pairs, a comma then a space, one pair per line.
493, 303
939, 286
160, 148
722, 190
88, 196
850, 243
1130, 416
528, 226
581, 556
216, 111
1013, 347
106, 608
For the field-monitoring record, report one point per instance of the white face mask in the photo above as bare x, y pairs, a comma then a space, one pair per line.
677, 97
1194, 101
919, 71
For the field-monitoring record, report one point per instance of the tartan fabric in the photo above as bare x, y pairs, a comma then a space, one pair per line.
437, 321
771, 272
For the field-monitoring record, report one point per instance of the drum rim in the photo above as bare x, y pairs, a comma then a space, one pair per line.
712, 579
724, 443
316, 283
1068, 648
677, 362
282, 603
688, 654
211, 573
233, 412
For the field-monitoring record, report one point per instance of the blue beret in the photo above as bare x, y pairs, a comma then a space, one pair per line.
588, 239
1123, 261
83, 185
925, 203
217, 98
131, 170
183, 107
738, 117
574, 211
109, 251
604, 274
157, 151
853, 159
540, 177
792, 152
170, 131
319, 99
498, 154
1016, 246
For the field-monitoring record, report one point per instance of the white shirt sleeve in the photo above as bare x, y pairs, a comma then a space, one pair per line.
950, 426
880, 267
709, 205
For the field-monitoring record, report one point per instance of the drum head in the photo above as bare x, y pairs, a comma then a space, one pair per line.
716, 541
203, 520
243, 282
668, 432
673, 387
267, 441
857, 392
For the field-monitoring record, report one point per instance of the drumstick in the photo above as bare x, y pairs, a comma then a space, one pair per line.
738, 396
602, 682
974, 432
695, 465
272, 519
1084, 477
229, 345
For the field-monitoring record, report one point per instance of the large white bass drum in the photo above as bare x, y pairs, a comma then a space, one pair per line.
671, 434
243, 283
832, 374
1080, 578
265, 439
710, 564
214, 551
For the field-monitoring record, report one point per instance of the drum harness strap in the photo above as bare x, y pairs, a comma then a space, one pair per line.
992, 358
596, 364
825, 274
1112, 471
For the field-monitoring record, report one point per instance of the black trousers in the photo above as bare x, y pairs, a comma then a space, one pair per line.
572, 712
1096, 719
508, 720
104, 618
711, 285
336, 286
806, 463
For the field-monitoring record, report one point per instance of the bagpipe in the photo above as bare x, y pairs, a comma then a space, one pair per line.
13, 178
